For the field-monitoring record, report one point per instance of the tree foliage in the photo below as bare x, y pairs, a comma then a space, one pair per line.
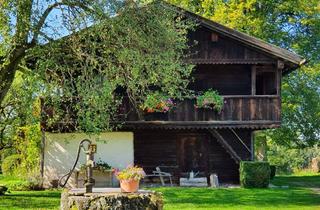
19, 108
139, 51
25, 24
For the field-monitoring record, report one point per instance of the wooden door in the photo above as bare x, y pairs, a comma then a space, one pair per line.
193, 154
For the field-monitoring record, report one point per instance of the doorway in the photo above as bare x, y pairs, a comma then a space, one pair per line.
193, 155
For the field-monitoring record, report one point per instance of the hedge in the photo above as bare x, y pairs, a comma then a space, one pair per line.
254, 174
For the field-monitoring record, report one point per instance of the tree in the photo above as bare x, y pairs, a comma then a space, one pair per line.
301, 109
25, 24
138, 52
21, 107
84, 76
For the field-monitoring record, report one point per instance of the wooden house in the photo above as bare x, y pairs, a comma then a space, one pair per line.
247, 72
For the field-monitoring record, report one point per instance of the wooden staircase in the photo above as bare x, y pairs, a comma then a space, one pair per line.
225, 145
232, 142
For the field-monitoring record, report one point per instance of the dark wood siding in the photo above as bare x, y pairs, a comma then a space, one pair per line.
226, 79
156, 148
222, 51
173, 151
222, 164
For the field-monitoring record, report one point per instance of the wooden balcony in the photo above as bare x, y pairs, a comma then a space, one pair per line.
237, 110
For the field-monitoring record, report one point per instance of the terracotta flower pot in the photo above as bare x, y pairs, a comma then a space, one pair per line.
129, 186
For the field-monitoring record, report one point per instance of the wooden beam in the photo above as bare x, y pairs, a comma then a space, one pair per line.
253, 80
225, 145
229, 61
252, 145
280, 67
238, 137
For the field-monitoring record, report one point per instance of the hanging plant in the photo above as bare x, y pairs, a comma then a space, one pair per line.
210, 99
157, 102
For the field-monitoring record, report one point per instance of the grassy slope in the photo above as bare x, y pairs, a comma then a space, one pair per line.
295, 197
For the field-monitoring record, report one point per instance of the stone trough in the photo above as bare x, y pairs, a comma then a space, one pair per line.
110, 198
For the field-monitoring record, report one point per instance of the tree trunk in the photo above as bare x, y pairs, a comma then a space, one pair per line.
8, 70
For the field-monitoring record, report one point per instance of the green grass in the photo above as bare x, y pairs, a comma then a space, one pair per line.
243, 199
300, 180
297, 196
17, 200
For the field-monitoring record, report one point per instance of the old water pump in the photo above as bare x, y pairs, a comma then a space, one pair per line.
90, 151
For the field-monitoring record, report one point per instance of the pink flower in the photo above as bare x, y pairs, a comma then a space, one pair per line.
169, 101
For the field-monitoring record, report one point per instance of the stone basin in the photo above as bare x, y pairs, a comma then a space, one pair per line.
110, 198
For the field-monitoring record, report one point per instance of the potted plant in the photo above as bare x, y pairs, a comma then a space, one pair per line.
130, 178
210, 99
156, 106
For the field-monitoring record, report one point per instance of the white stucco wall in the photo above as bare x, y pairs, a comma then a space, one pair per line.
115, 148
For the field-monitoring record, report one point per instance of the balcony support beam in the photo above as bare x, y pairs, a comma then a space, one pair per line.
280, 67
253, 79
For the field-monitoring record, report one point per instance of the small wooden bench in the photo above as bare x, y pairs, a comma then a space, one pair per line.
161, 175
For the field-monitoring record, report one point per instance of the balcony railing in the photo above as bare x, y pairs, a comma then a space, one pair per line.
236, 108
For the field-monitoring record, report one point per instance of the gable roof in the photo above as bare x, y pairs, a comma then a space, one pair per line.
293, 59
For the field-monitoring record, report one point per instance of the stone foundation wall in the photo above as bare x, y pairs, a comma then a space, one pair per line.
145, 200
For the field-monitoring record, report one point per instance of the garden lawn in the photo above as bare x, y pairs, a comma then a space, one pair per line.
302, 194
17, 200
299, 195
242, 199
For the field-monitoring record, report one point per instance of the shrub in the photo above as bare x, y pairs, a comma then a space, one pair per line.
288, 160
10, 163
21, 183
254, 174
18, 184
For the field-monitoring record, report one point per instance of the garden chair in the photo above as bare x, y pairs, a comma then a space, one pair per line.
161, 175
